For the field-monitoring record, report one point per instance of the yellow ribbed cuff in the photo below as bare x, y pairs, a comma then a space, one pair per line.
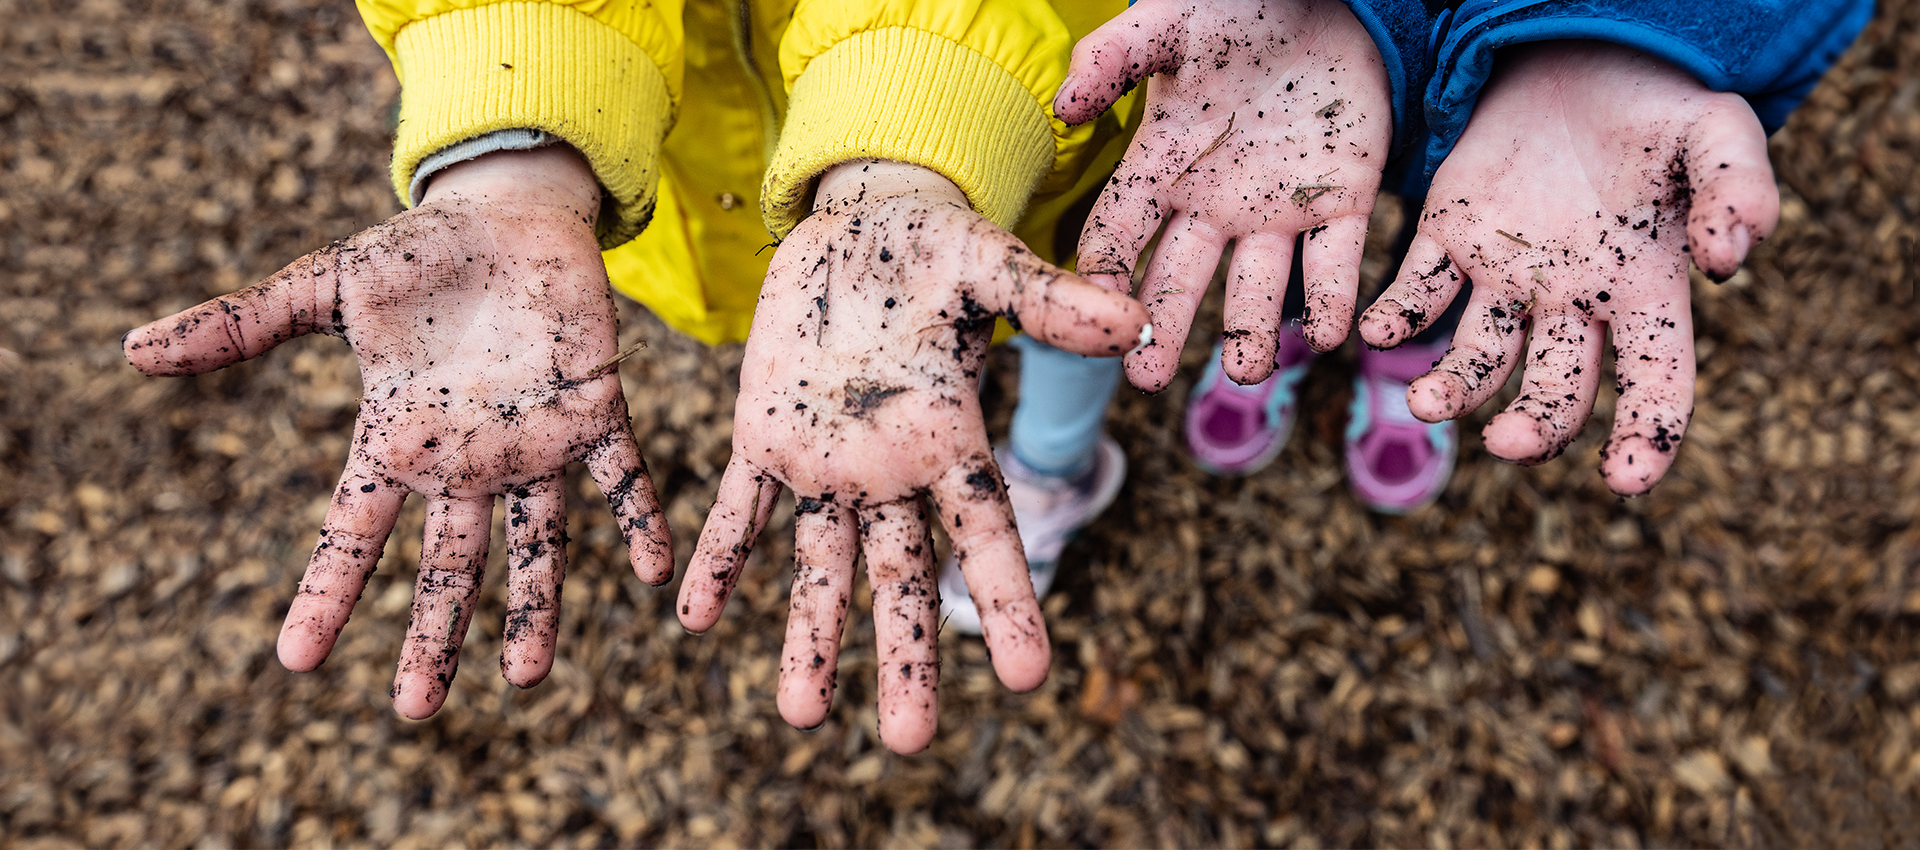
909, 95
470, 72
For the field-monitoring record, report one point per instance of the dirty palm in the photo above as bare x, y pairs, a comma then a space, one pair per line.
1586, 179
860, 391
484, 327
1266, 123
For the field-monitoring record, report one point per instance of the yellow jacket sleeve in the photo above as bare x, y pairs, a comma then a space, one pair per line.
964, 87
603, 75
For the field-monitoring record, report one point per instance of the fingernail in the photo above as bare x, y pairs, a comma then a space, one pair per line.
1146, 337
1742, 241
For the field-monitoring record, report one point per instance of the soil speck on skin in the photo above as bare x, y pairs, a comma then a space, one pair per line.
984, 483
861, 397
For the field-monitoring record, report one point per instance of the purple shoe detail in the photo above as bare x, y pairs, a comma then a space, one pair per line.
1237, 430
1396, 462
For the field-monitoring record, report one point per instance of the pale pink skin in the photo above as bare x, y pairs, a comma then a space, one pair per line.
479, 320
1298, 89
1581, 153
860, 391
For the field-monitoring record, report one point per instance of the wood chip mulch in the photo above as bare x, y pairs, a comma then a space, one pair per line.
1731, 661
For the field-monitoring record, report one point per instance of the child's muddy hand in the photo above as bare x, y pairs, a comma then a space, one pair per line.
860, 391
1264, 121
484, 327
1588, 174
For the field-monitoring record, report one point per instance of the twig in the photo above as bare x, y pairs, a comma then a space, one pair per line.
1210, 148
613, 361
1302, 196
1467, 582
1514, 238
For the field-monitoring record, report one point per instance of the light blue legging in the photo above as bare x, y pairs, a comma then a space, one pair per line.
1063, 404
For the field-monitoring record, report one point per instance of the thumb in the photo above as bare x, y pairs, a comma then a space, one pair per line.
1144, 40
241, 325
1735, 201
1057, 307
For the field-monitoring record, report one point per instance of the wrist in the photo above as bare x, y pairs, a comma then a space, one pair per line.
1561, 62
859, 180
553, 175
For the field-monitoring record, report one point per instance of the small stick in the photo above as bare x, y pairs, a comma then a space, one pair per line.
1210, 148
613, 361
1303, 197
1330, 109
1514, 238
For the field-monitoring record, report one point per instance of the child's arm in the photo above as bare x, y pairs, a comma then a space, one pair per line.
484, 327
601, 77
1265, 120
860, 390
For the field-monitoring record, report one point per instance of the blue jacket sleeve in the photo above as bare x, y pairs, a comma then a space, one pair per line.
1770, 51
1403, 32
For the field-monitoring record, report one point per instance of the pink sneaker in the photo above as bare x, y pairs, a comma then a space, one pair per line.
1237, 430
1397, 463
1049, 511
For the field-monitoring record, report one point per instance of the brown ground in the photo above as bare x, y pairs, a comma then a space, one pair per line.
1730, 661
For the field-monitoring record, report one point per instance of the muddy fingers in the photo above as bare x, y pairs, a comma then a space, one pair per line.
1428, 282
451, 568
906, 604
1129, 211
242, 325
1256, 295
1110, 61
973, 506
1653, 356
825, 548
1059, 308
616, 466
740, 510
1556, 392
1735, 202
1485, 351
536, 567
1177, 279
1330, 265
358, 522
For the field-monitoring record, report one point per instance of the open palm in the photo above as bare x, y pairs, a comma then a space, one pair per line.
860, 391
483, 323
1588, 175
1265, 120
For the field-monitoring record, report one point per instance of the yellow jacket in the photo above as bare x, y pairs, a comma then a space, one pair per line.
692, 117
